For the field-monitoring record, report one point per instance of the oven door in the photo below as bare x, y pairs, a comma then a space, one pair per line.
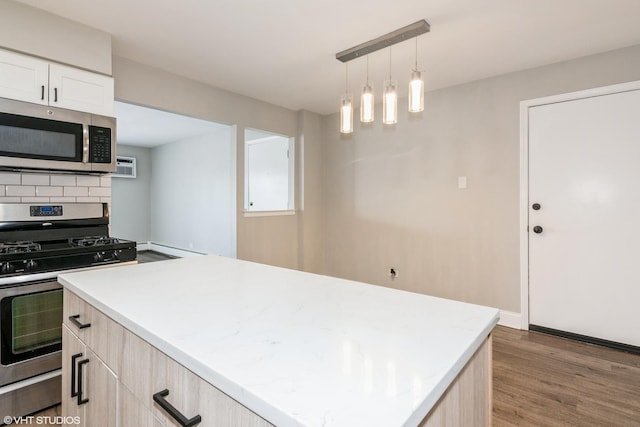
30, 329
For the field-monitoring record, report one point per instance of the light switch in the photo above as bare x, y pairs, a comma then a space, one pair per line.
462, 182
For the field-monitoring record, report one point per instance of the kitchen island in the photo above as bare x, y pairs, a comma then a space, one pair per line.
287, 347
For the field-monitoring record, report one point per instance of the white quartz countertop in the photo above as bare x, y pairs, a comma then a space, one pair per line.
296, 348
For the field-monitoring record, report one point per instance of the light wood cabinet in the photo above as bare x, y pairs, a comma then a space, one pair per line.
104, 336
146, 371
38, 81
89, 387
128, 372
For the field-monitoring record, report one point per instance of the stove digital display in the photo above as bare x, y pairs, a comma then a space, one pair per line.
50, 210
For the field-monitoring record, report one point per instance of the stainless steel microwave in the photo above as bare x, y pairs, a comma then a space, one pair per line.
34, 136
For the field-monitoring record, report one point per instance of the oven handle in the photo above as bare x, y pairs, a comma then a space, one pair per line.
74, 391
81, 401
159, 398
77, 323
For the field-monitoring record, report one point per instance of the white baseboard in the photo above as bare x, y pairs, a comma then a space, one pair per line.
143, 246
168, 250
510, 319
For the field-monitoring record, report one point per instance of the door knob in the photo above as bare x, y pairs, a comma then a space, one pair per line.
537, 229
536, 206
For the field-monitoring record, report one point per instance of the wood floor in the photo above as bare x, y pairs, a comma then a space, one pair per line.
545, 381
542, 380
152, 256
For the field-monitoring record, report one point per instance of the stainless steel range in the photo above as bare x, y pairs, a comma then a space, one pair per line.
36, 243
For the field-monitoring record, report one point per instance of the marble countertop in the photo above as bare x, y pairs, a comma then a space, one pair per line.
298, 349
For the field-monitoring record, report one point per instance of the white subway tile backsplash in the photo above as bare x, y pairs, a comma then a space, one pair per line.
62, 199
88, 199
35, 179
48, 191
100, 191
76, 191
16, 187
20, 190
88, 181
63, 180
11, 178
35, 200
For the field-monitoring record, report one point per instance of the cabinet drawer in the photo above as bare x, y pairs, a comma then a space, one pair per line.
147, 371
103, 335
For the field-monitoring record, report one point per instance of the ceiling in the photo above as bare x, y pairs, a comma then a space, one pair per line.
148, 127
283, 51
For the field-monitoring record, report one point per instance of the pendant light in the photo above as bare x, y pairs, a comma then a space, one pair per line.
416, 88
366, 100
390, 99
346, 107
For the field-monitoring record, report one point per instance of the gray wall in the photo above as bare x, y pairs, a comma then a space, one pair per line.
391, 196
273, 240
193, 194
130, 198
35, 32
382, 198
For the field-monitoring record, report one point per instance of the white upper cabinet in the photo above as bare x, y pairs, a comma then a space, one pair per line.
23, 78
34, 80
80, 90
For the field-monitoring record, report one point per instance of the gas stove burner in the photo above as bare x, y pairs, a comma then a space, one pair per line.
18, 247
92, 241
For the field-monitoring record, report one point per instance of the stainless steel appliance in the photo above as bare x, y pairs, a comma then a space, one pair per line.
36, 243
34, 136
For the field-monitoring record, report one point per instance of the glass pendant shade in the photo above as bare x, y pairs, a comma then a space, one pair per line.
416, 92
346, 114
390, 102
366, 104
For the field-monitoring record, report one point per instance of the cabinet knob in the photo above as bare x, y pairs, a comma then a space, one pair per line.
537, 229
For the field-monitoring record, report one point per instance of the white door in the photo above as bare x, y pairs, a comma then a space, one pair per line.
584, 172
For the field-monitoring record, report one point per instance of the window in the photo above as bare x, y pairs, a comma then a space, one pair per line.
269, 171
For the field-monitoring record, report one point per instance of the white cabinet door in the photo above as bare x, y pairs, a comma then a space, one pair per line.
23, 78
80, 90
583, 258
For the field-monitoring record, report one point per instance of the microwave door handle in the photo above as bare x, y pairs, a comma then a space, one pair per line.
85, 143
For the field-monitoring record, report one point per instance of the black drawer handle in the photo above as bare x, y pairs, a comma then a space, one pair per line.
159, 398
74, 391
55, 94
42, 94
81, 401
79, 325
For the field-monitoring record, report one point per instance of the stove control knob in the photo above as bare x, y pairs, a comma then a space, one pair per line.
7, 268
115, 254
30, 265
98, 257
